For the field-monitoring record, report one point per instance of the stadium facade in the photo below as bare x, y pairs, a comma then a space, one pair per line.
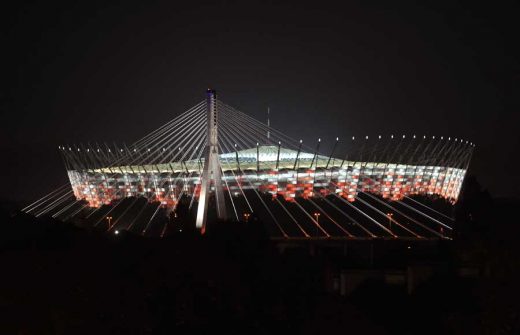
267, 168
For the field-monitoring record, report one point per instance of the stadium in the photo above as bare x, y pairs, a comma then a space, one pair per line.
214, 163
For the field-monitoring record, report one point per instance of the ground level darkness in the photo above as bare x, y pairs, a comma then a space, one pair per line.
61, 279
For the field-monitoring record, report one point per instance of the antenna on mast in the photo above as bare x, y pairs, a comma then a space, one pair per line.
268, 125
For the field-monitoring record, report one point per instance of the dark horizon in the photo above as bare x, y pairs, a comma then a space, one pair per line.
105, 72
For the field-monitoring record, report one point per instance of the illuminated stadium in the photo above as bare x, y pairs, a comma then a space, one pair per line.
217, 163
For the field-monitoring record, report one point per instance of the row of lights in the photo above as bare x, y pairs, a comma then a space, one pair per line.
391, 136
301, 141
247, 215
121, 150
109, 219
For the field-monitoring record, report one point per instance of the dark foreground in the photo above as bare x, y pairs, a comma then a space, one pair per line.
58, 279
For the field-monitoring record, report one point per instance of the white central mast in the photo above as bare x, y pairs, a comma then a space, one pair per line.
212, 172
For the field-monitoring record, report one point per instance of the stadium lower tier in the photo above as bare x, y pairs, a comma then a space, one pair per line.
391, 181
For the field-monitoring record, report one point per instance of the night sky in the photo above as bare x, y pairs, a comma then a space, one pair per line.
94, 71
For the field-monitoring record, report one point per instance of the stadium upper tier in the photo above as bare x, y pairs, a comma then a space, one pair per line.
264, 158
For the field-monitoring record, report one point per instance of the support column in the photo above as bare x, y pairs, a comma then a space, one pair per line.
212, 172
